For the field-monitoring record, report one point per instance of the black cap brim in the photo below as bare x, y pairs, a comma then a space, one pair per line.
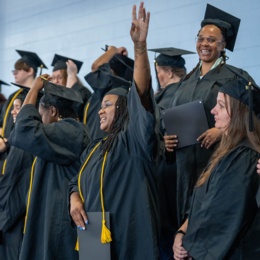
3, 83
40, 94
62, 92
170, 57
170, 51
59, 62
31, 59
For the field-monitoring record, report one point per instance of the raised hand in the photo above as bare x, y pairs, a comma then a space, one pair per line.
140, 24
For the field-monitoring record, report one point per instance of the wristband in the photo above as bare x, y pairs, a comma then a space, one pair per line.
180, 232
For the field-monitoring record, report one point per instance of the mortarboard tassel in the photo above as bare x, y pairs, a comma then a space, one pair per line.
156, 75
251, 126
41, 69
105, 232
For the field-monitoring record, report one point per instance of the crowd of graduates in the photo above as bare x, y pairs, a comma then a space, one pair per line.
66, 150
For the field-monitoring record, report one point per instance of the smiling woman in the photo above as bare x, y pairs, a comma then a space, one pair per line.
234, 233
203, 83
118, 172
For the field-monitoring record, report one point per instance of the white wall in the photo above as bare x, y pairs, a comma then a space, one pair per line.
79, 28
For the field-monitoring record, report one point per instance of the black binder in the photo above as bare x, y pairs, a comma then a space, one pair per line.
187, 121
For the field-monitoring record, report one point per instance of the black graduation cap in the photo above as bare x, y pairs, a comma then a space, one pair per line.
123, 66
118, 91
25, 89
119, 85
170, 57
59, 62
225, 21
62, 92
32, 60
3, 83
247, 92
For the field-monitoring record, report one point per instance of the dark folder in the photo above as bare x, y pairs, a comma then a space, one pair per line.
90, 246
187, 121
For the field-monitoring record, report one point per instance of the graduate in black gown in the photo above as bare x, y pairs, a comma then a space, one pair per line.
127, 176
57, 139
64, 73
218, 31
25, 71
112, 62
14, 184
223, 221
170, 69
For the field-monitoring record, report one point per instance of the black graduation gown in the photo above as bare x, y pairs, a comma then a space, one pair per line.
224, 215
14, 184
86, 94
166, 177
7, 113
9, 123
130, 192
58, 147
164, 97
192, 160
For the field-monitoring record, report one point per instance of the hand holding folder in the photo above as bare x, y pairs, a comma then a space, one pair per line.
187, 121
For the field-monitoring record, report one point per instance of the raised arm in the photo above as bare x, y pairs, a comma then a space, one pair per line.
142, 73
31, 97
107, 56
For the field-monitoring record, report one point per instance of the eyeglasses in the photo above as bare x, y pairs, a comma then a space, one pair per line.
53, 78
15, 71
209, 40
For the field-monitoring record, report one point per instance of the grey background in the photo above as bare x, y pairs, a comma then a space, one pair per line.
80, 28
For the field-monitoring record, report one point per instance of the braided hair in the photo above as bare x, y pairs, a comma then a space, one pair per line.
120, 120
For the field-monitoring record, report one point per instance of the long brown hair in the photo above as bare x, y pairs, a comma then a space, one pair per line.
238, 130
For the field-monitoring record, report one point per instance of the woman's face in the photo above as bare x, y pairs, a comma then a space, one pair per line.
221, 112
58, 78
16, 108
210, 43
107, 112
164, 76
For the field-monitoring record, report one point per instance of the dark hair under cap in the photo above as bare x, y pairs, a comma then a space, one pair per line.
171, 61
225, 26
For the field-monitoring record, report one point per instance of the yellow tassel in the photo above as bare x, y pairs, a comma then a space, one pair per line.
77, 245
105, 233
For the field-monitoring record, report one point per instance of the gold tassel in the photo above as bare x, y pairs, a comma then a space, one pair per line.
77, 245
105, 233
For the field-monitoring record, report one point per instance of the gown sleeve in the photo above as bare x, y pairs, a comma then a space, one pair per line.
142, 127
47, 140
220, 216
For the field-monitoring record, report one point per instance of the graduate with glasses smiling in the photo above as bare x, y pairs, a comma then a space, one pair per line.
218, 32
